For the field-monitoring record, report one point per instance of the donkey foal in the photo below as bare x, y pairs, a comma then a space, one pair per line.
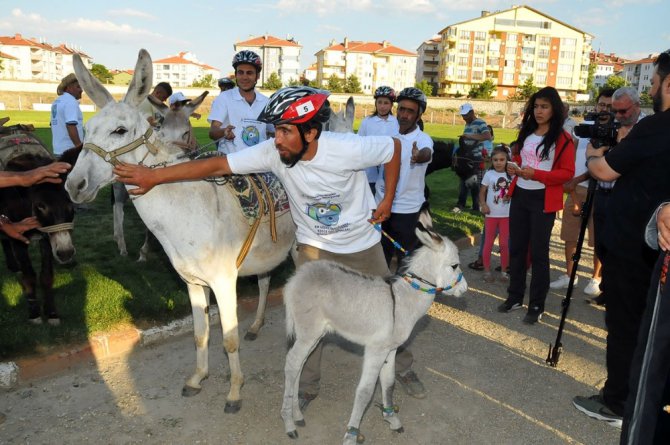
324, 297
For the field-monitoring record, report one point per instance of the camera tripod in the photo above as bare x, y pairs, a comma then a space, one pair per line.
557, 348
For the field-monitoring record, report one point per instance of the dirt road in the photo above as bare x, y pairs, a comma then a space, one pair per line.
485, 373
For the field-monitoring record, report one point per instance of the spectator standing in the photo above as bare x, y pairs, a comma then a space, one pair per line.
475, 130
67, 120
547, 154
382, 122
161, 92
225, 84
638, 163
494, 199
233, 118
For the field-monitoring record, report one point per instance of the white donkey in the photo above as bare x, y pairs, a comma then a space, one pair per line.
326, 297
198, 223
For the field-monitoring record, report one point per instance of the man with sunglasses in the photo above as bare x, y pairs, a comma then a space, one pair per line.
639, 165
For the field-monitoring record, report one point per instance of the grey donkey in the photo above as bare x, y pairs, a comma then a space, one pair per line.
327, 297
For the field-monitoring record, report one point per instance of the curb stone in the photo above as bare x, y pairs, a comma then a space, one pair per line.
108, 345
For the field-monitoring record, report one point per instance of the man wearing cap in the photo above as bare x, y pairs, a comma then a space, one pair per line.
161, 91
233, 116
225, 84
475, 130
67, 121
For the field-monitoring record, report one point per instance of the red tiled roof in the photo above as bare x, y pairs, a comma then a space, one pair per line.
370, 48
268, 40
7, 56
179, 59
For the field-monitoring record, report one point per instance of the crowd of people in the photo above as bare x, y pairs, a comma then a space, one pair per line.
377, 181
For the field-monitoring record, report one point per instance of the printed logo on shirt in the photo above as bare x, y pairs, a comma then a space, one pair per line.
251, 135
325, 213
501, 190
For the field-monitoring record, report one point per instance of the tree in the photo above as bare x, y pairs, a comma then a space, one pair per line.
590, 86
206, 82
526, 90
335, 84
101, 73
482, 91
646, 99
273, 82
425, 87
615, 82
293, 82
352, 85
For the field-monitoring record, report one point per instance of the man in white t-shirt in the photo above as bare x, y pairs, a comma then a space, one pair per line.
67, 121
323, 174
417, 150
233, 118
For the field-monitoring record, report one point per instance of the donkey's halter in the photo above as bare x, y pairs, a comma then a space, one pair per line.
56, 227
148, 139
410, 278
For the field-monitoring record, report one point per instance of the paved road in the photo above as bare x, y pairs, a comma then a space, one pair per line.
485, 373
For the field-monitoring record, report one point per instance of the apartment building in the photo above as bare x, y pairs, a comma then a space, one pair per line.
281, 56
33, 59
509, 47
638, 73
373, 63
428, 60
182, 70
606, 65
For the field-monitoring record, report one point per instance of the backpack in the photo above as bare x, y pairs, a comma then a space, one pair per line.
464, 161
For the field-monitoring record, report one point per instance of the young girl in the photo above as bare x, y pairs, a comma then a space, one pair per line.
382, 122
547, 162
494, 196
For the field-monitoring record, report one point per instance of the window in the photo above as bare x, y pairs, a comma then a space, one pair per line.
544, 40
461, 74
510, 51
463, 47
511, 38
494, 62
477, 75
480, 35
567, 55
543, 53
510, 63
565, 68
508, 77
540, 79
568, 42
527, 64
478, 62
465, 35
166, 67
528, 51
479, 49
541, 66
462, 60
563, 81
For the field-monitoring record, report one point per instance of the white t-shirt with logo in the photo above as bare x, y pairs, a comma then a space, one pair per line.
378, 126
529, 158
409, 193
329, 195
65, 110
230, 108
497, 193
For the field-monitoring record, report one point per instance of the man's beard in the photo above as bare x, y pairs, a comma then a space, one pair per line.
657, 100
290, 159
406, 126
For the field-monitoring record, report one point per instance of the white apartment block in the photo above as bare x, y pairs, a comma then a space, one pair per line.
281, 56
182, 70
606, 65
428, 61
32, 59
638, 73
510, 46
373, 63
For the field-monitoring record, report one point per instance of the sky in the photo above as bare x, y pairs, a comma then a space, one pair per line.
113, 32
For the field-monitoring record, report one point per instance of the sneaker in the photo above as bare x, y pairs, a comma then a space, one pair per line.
595, 407
533, 315
304, 398
562, 282
456, 209
593, 287
509, 306
597, 301
411, 384
504, 277
477, 264
489, 278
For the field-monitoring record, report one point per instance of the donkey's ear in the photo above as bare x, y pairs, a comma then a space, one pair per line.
158, 105
142, 79
91, 86
350, 112
195, 103
424, 229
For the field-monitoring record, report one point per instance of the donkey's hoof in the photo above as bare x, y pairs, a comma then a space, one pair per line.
399, 430
292, 434
232, 407
250, 336
189, 391
53, 321
300, 422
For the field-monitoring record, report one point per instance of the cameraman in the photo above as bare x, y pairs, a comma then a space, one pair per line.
639, 164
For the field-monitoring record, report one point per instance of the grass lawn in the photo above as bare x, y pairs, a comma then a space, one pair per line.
104, 291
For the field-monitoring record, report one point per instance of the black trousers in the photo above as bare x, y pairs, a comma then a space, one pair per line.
600, 204
529, 231
400, 227
625, 281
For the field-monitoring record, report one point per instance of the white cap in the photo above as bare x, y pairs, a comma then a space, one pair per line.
177, 97
465, 109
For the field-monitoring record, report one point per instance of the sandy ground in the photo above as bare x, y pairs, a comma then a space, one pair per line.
485, 373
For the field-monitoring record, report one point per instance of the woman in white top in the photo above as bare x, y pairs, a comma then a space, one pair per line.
382, 122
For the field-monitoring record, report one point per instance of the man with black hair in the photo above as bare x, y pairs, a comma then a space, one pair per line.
638, 163
161, 91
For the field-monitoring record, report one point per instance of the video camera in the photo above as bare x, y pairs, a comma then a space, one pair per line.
603, 132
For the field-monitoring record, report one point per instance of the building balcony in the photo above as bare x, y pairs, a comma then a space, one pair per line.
431, 52
430, 62
492, 67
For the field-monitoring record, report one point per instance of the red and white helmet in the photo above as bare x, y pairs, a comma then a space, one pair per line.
296, 105
249, 57
384, 91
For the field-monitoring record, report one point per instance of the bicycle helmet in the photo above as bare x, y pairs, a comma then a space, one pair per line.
385, 91
414, 94
250, 57
225, 82
296, 105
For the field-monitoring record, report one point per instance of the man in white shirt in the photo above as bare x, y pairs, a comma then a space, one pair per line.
67, 120
233, 118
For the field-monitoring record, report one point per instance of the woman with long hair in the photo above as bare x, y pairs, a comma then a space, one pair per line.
547, 162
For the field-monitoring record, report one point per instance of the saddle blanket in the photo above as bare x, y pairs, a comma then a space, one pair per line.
17, 144
244, 188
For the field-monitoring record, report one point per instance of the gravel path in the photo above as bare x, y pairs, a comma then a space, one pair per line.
485, 373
